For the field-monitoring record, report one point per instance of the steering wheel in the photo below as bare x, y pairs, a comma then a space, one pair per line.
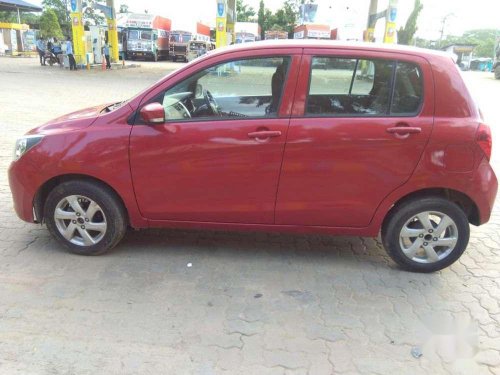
211, 103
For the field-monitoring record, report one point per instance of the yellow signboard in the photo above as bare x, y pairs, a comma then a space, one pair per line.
78, 37
224, 22
113, 39
14, 26
390, 22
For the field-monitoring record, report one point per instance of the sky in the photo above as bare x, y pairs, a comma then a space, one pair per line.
463, 14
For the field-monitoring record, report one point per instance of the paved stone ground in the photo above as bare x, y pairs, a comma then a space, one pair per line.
250, 303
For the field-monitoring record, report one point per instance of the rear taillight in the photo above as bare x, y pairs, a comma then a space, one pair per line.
483, 139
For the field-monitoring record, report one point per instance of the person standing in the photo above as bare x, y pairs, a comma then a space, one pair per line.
69, 52
105, 51
40, 48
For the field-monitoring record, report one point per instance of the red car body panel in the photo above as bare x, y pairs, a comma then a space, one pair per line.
334, 173
210, 171
99, 151
322, 175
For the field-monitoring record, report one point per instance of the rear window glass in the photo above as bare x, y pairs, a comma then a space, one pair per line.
350, 87
363, 87
407, 95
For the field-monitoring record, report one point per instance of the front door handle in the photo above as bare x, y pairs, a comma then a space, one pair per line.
403, 130
263, 134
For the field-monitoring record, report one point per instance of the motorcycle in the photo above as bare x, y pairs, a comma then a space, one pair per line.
52, 56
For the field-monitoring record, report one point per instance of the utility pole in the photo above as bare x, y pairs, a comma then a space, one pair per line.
443, 24
372, 20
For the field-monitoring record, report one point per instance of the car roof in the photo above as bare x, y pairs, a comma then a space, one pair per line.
333, 44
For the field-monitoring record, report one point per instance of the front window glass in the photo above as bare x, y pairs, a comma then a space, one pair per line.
146, 35
133, 34
236, 89
174, 38
340, 86
138, 34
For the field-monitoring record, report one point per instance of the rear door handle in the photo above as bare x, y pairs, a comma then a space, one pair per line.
404, 130
262, 134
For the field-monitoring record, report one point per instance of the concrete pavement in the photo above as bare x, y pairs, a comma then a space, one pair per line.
250, 303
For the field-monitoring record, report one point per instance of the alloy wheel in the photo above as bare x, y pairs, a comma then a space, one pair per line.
80, 220
428, 237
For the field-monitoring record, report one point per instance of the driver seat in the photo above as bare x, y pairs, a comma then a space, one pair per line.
277, 82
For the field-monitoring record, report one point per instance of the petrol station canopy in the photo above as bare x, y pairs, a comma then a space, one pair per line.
18, 5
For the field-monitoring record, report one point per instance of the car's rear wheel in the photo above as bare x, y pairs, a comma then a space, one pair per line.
426, 235
86, 217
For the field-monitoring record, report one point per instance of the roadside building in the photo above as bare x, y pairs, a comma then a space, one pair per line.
463, 53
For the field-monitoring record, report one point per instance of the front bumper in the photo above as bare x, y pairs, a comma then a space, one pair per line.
23, 186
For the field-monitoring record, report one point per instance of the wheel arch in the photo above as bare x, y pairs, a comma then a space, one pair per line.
467, 205
44, 190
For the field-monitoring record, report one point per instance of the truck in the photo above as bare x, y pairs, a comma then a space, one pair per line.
179, 40
496, 63
276, 34
145, 36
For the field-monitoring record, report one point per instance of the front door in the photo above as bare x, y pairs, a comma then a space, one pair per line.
217, 158
359, 126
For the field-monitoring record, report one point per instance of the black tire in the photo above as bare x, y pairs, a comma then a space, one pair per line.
405, 211
115, 214
174, 58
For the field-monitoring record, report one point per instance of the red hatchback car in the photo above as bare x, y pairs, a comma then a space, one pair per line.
308, 136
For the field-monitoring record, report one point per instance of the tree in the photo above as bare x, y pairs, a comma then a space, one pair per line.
284, 19
49, 25
31, 19
261, 15
7, 16
484, 39
91, 15
123, 8
244, 13
62, 12
406, 34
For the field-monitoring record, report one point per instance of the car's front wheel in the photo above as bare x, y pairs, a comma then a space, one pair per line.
86, 217
426, 235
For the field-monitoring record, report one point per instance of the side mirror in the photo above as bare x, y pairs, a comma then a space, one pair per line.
153, 113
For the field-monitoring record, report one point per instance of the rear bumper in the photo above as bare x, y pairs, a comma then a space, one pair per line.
485, 187
140, 53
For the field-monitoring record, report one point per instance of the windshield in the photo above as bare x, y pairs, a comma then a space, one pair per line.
139, 34
180, 38
196, 46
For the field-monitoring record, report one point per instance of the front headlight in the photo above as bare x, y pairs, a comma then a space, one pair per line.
25, 143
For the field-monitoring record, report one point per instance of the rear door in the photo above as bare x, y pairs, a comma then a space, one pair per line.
359, 125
